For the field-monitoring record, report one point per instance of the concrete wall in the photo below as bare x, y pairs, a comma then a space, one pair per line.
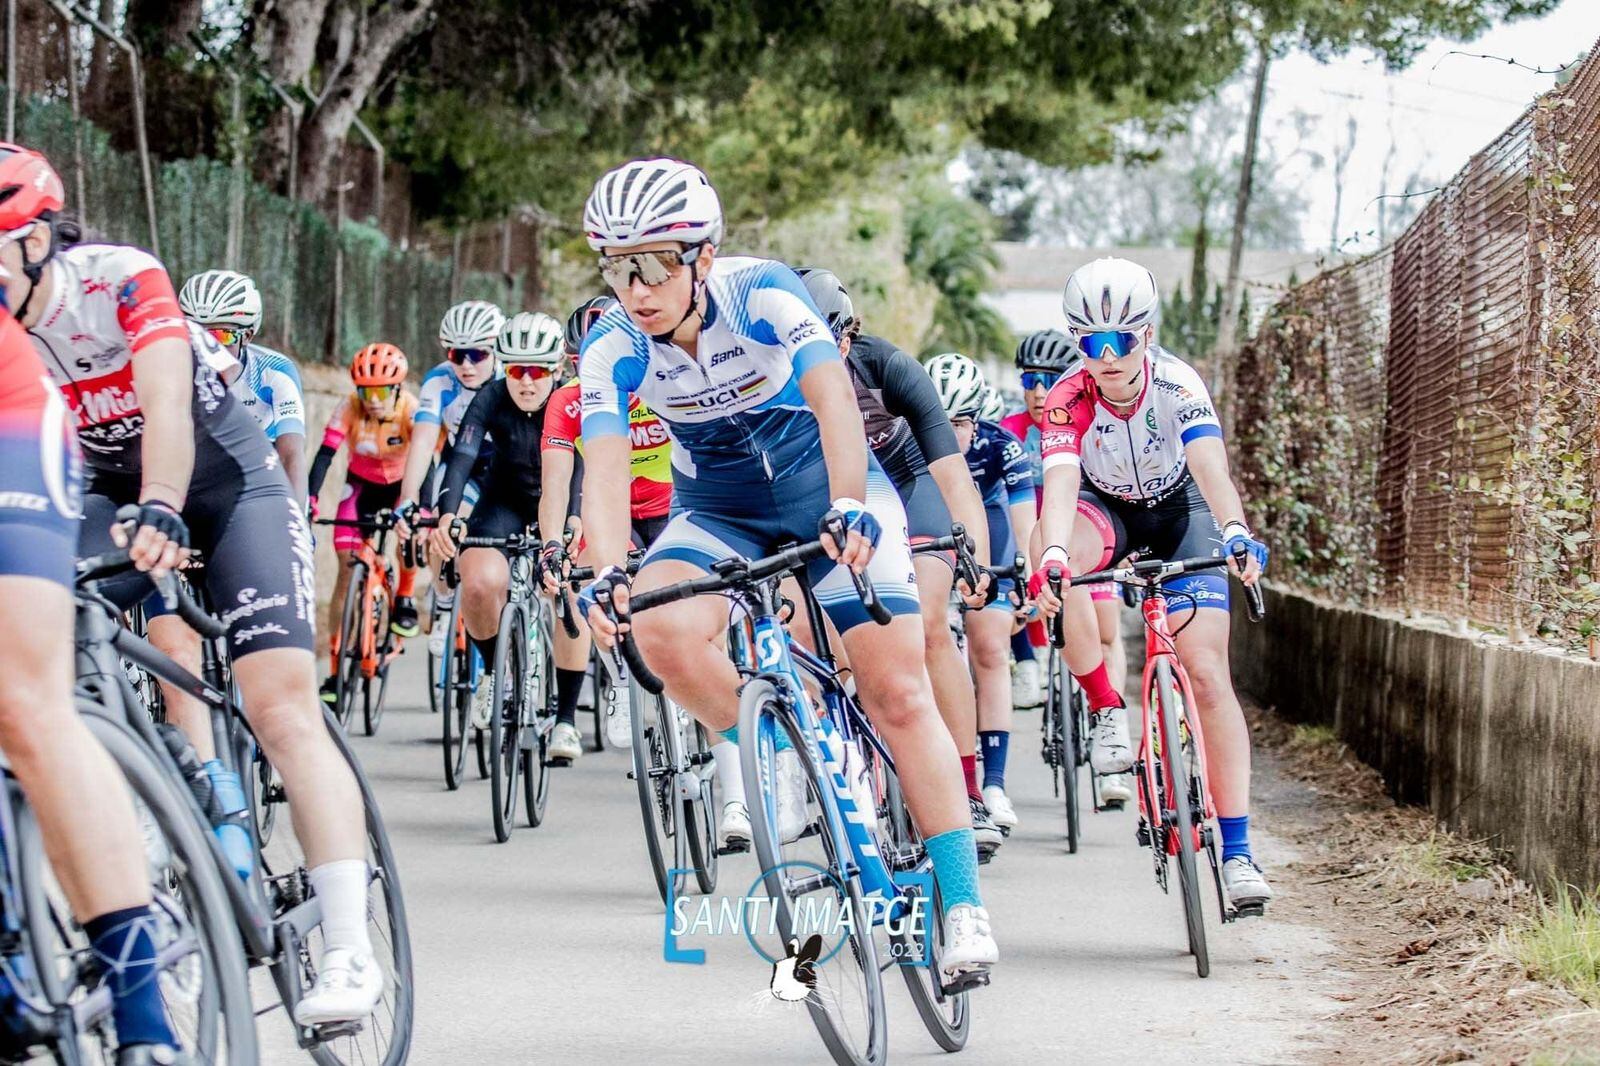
1500, 742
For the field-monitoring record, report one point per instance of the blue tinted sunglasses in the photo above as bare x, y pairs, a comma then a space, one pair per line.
1039, 379
1119, 343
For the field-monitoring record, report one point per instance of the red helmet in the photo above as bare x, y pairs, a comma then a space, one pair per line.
29, 186
378, 364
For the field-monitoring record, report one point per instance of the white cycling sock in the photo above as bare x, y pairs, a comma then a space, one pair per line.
342, 888
729, 775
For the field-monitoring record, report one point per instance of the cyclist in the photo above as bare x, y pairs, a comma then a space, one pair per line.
377, 421
911, 439
90, 831
510, 413
1000, 470
160, 430
767, 448
1044, 358
467, 333
1155, 481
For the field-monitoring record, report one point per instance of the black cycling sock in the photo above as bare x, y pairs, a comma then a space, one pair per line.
1021, 647
568, 684
485, 648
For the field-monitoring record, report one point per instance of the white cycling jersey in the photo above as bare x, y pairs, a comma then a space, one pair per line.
1134, 453
443, 400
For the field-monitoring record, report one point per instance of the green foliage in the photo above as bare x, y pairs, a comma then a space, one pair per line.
1561, 943
949, 244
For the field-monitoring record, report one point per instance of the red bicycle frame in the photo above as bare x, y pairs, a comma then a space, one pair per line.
1159, 647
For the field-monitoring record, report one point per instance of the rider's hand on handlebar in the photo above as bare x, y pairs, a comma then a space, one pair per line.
1053, 565
850, 520
975, 598
610, 587
554, 566
442, 541
405, 512
1237, 540
161, 539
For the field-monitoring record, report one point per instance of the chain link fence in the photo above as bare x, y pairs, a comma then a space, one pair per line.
330, 283
1420, 430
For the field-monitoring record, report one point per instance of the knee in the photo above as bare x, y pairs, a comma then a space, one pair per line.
1209, 678
936, 636
661, 640
988, 654
896, 699
287, 725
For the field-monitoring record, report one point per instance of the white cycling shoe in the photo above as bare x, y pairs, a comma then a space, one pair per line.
1116, 788
733, 831
565, 743
483, 703
1245, 884
968, 943
1026, 688
1001, 812
348, 988
619, 720
436, 640
790, 785
1110, 751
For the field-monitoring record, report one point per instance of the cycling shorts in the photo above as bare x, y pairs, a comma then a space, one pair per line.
41, 485
498, 516
1179, 526
927, 516
433, 483
646, 531
1002, 552
257, 547
758, 519
360, 502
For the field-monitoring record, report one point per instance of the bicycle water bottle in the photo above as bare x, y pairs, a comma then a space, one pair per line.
204, 788
230, 827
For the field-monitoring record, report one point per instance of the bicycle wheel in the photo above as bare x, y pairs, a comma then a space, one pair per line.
1072, 743
455, 693
699, 817
436, 698
373, 689
654, 756
206, 991
808, 877
541, 707
600, 687
1182, 826
348, 672
505, 725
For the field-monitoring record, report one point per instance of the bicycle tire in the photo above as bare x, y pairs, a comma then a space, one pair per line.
652, 759
600, 685
436, 699
456, 694
698, 817
536, 758
505, 724
347, 672
760, 699
373, 688
392, 939
198, 882
1071, 744
1178, 793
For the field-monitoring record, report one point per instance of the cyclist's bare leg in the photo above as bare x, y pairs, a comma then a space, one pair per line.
172, 636
947, 670
280, 698
1081, 628
989, 646
341, 583
1203, 649
85, 814
899, 701
684, 643
485, 580
1108, 615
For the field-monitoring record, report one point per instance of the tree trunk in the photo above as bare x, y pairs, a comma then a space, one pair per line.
1228, 328
287, 48
326, 127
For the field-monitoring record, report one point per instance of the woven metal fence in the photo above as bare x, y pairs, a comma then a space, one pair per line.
1420, 430
330, 285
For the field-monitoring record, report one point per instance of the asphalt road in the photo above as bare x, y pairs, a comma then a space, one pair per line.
549, 948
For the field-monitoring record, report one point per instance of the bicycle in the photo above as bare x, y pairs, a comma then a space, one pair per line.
674, 772
364, 646
274, 912
1176, 814
859, 857
523, 675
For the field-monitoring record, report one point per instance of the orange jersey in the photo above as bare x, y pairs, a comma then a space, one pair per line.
378, 446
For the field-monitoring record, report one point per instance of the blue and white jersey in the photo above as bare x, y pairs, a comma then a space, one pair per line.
269, 388
999, 465
443, 400
736, 414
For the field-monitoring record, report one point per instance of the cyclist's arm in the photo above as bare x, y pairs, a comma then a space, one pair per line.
606, 466
163, 375
1023, 518
826, 387
1208, 462
1068, 416
556, 467
1018, 477
287, 429
470, 436
419, 456
961, 496
332, 437
909, 392
291, 449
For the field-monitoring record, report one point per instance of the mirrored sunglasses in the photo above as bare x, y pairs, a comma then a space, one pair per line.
1116, 343
652, 268
460, 356
527, 372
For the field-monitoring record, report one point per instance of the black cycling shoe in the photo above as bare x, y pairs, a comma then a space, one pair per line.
403, 619
152, 1055
985, 833
329, 692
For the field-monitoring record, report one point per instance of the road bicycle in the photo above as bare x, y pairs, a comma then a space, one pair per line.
858, 846
1176, 814
276, 914
523, 675
364, 646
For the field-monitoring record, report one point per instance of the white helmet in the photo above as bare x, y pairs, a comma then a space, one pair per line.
959, 382
652, 200
218, 299
1110, 294
471, 324
994, 405
531, 337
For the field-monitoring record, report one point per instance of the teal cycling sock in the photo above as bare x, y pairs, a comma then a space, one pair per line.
124, 943
955, 865
1235, 837
731, 735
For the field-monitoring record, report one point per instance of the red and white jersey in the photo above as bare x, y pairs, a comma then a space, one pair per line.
109, 302
1134, 453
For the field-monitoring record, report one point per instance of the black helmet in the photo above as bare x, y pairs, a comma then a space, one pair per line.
1048, 349
831, 298
579, 321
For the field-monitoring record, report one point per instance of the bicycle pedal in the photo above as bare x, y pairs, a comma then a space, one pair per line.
336, 1030
700, 758
1142, 834
740, 848
966, 981
558, 762
1250, 909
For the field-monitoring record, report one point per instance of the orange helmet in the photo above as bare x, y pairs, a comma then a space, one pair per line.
378, 364
29, 186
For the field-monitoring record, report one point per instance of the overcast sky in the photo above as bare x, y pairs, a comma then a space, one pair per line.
1436, 113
